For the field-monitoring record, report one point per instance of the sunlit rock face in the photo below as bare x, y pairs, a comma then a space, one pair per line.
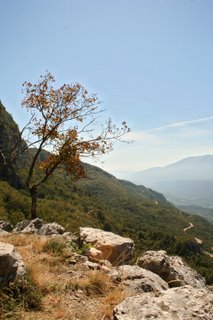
171, 269
184, 303
111, 247
11, 263
138, 280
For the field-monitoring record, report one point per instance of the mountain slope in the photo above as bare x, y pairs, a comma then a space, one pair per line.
9, 136
101, 200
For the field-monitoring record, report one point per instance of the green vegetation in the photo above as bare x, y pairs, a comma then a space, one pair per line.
55, 246
100, 200
20, 293
105, 202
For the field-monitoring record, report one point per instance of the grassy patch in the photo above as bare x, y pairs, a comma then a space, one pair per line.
55, 246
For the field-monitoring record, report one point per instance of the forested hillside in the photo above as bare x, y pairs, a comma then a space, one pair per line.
101, 200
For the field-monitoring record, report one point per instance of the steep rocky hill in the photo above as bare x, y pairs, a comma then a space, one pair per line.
9, 136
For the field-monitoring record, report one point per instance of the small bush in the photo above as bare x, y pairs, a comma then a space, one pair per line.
81, 249
55, 246
22, 293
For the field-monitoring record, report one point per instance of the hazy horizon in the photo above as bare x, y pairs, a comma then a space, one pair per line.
150, 62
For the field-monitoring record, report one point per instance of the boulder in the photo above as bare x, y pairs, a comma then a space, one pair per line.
184, 303
171, 269
138, 280
11, 263
111, 247
29, 226
37, 226
6, 226
91, 265
51, 229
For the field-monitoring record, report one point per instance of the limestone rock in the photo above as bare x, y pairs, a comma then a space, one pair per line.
171, 269
11, 263
139, 280
6, 226
113, 248
91, 265
29, 226
36, 226
184, 303
93, 254
69, 237
51, 229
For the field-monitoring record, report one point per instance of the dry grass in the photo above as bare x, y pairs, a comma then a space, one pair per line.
91, 283
70, 292
21, 239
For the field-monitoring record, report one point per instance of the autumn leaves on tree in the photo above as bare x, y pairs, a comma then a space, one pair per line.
63, 121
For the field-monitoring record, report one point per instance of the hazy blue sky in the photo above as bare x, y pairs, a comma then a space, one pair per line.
149, 61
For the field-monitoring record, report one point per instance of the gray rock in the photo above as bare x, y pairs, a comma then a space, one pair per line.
138, 280
21, 225
29, 226
79, 258
51, 229
111, 247
6, 226
171, 269
11, 263
184, 303
69, 237
36, 226
92, 265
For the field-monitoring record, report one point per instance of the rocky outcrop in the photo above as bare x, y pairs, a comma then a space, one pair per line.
11, 263
110, 246
171, 269
37, 226
29, 226
148, 285
138, 280
6, 226
51, 229
185, 303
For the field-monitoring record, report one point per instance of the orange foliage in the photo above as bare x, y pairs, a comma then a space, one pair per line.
63, 119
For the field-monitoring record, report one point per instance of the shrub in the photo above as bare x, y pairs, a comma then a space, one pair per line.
55, 246
21, 293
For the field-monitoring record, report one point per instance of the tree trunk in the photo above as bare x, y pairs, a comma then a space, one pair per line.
33, 192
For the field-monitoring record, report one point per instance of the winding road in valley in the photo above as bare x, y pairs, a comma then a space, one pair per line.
189, 227
199, 241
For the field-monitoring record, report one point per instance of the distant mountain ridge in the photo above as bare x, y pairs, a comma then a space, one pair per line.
185, 182
191, 168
